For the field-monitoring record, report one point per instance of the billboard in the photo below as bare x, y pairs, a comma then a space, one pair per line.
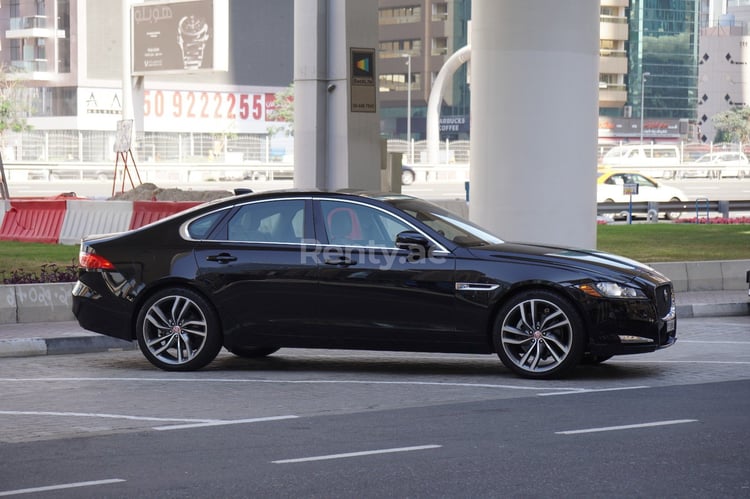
180, 37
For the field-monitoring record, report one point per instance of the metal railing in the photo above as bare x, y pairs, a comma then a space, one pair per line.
701, 208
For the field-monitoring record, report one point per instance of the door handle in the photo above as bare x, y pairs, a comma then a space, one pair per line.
341, 261
221, 258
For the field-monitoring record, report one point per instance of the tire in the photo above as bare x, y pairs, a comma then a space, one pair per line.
407, 177
673, 215
178, 330
538, 334
253, 352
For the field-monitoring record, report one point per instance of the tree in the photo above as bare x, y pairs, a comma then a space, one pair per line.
733, 125
12, 110
282, 112
12, 117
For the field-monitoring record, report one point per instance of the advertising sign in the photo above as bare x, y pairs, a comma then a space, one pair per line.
362, 81
199, 108
176, 37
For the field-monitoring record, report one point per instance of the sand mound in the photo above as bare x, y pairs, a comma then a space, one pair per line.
150, 192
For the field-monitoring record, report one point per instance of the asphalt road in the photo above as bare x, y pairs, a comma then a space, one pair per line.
306, 423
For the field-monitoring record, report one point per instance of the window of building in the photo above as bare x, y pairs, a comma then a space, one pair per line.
41, 8
14, 7
440, 45
16, 54
398, 82
440, 11
400, 15
611, 81
40, 49
614, 48
397, 48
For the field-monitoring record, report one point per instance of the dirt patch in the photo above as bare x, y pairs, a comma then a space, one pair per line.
150, 192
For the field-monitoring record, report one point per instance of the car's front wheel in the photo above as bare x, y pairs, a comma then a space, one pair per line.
539, 334
178, 330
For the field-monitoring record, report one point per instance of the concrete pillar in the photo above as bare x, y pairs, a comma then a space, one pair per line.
335, 147
534, 108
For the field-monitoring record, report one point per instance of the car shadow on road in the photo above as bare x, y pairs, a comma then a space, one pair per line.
420, 364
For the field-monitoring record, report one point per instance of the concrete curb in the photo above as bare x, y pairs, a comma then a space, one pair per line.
29, 347
697, 310
713, 275
26, 303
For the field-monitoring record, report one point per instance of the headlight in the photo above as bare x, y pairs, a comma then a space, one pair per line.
611, 290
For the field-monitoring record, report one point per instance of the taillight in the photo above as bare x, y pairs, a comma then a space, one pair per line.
91, 261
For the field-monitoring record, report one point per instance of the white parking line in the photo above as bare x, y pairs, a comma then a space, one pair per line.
356, 454
707, 342
627, 427
109, 416
727, 362
595, 390
189, 423
301, 382
223, 423
60, 487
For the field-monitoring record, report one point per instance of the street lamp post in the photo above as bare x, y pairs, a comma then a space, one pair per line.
643, 86
408, 107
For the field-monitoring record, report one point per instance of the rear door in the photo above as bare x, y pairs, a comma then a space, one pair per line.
263, 286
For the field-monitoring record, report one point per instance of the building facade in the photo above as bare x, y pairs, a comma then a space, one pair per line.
68, 54
723, 68
422, 33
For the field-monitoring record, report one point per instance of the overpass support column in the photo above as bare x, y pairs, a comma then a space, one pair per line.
336, 117
534, 109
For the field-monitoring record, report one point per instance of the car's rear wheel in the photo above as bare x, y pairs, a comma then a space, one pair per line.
407, 177
253, 352
178, 330
539, 334
673, 215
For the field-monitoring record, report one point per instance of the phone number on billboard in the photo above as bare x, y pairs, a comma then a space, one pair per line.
205, 105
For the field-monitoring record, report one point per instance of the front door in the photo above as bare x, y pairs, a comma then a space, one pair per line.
372, 294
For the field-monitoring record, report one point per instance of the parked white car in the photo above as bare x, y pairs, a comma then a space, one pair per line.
719, 164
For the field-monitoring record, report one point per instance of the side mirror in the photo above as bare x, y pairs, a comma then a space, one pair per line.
413, 241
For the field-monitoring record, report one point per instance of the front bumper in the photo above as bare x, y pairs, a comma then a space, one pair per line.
633, 326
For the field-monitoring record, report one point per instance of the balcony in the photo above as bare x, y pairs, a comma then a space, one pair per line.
34, 70
30, 27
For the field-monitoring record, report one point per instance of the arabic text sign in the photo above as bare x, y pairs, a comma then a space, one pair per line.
176, 37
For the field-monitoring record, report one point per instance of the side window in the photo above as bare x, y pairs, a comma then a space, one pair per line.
200, 228
351, 224
269, 221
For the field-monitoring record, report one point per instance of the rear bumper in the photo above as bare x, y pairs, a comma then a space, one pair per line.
94, 314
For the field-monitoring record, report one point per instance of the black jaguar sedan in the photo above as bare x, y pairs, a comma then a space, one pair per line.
258, 272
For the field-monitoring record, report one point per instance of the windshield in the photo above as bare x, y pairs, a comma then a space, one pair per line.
447, 224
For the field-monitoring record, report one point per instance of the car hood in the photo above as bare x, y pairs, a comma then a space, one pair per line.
592, 261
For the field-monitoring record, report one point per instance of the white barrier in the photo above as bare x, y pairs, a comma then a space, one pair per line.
84, 217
